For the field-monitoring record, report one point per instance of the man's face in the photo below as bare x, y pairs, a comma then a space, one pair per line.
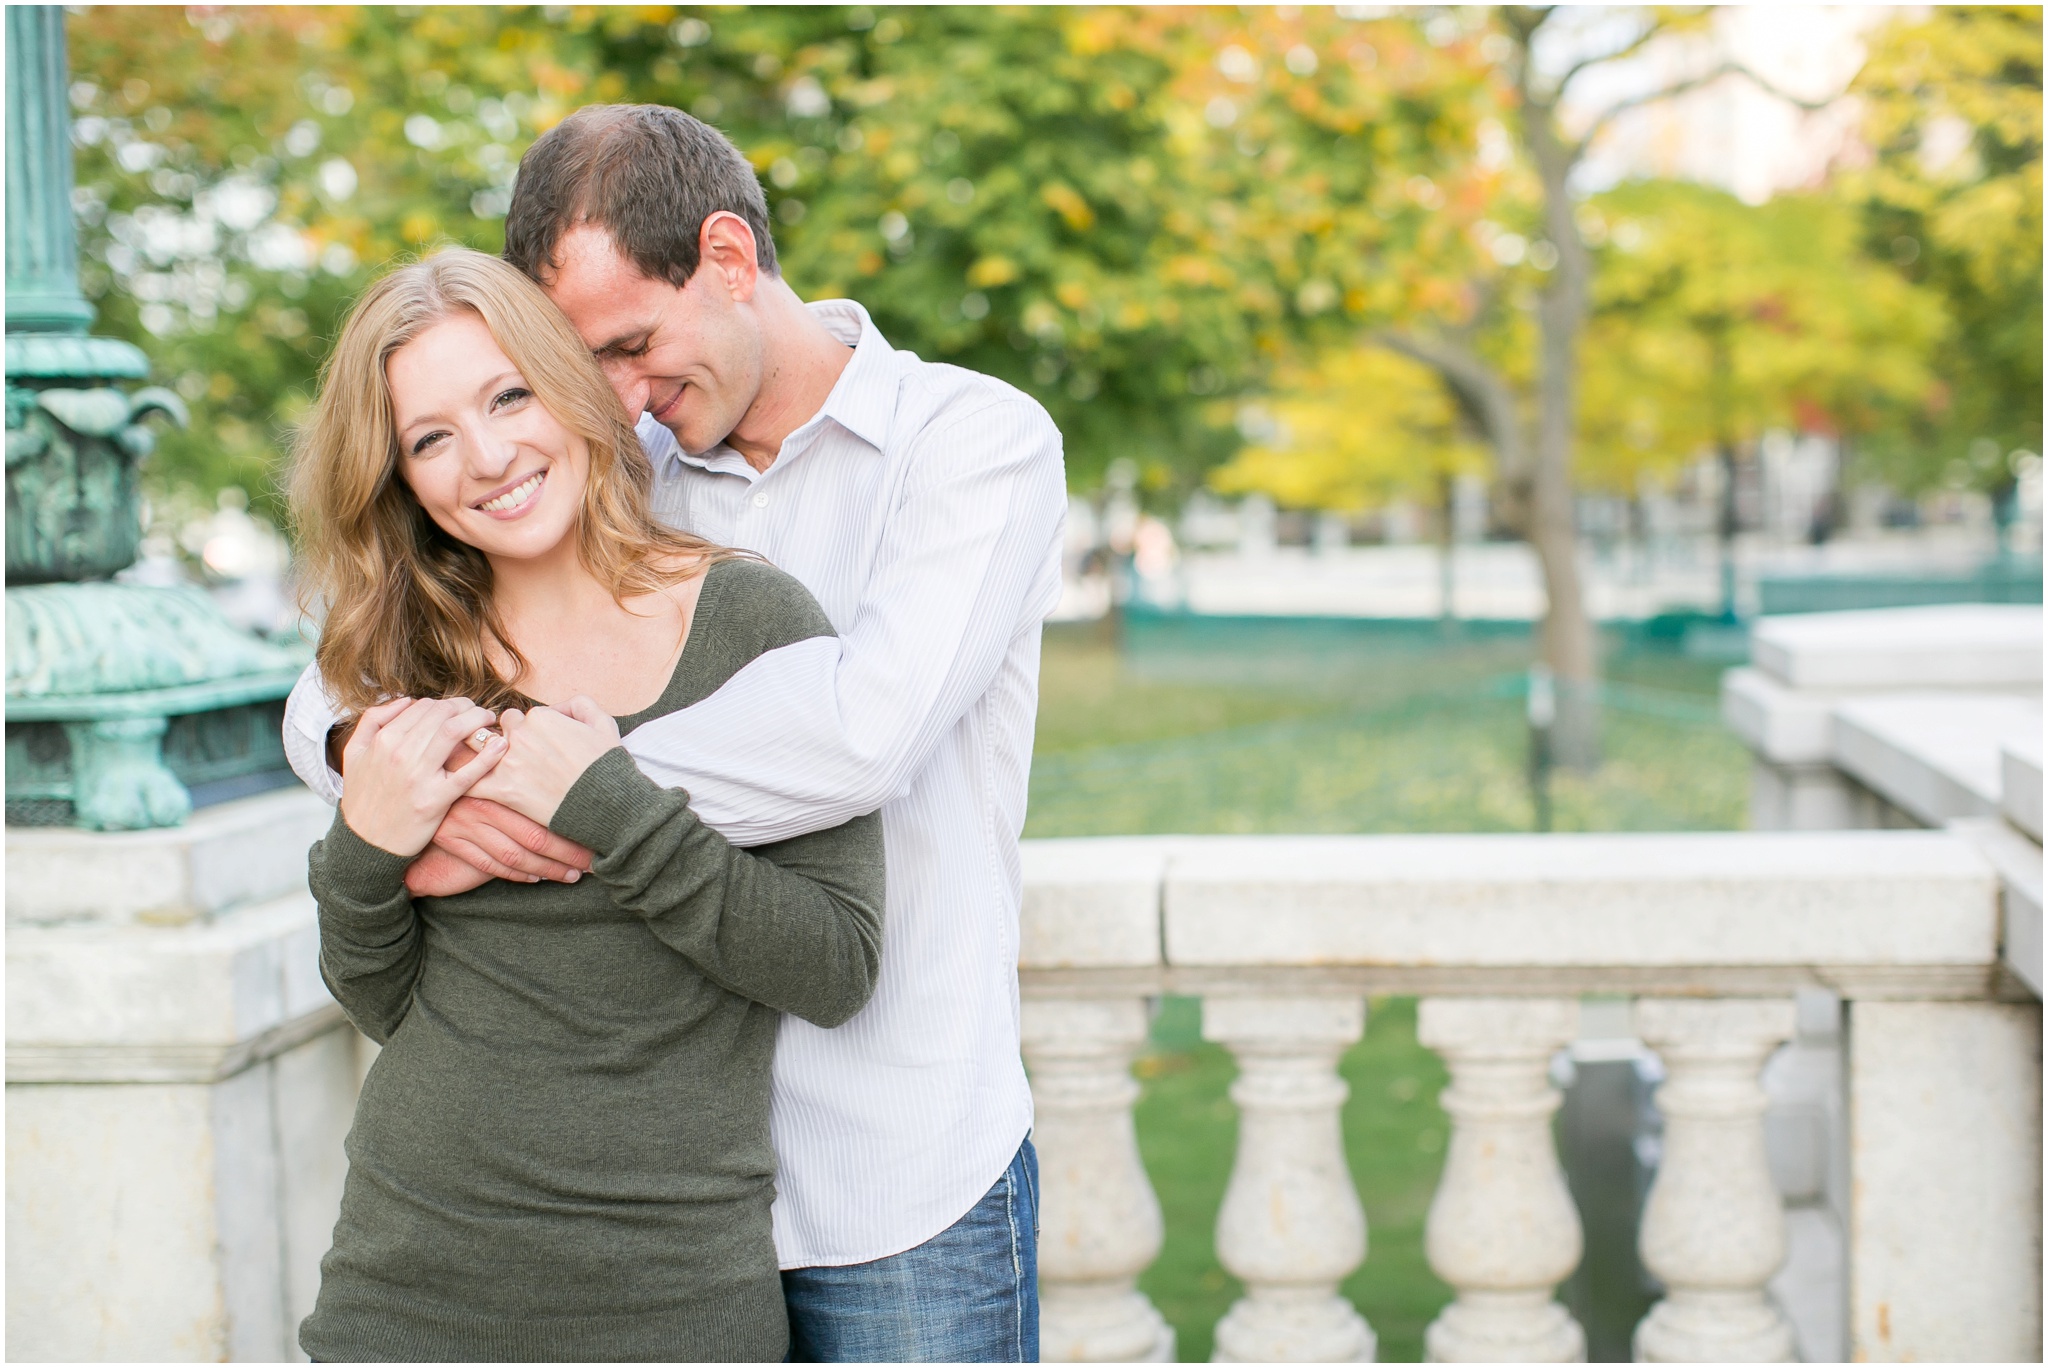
689, 356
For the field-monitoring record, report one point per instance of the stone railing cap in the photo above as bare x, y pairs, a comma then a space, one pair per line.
1869, 901
1980, 645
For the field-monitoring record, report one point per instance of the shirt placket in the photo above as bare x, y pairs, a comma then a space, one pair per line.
761, 515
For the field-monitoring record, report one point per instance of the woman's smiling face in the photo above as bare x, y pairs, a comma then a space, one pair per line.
488, 463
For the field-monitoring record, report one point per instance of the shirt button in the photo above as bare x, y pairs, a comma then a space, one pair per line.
760, 501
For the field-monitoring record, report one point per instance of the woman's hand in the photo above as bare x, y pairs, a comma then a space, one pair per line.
399, 787
550, 748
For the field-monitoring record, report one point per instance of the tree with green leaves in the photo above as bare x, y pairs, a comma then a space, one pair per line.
1952, 117
1023, 191
1714, 320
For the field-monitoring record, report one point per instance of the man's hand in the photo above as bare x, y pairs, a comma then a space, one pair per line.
480, 840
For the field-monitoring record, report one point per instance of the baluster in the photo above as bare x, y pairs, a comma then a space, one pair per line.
1099, 1219
1291, 1225
1714, 1228
1502, 1228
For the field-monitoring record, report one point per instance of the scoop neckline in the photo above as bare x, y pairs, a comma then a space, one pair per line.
708, 599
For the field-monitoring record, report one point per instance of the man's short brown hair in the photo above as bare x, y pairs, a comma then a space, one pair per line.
647, 174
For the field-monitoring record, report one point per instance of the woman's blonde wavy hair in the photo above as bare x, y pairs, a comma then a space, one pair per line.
409, 608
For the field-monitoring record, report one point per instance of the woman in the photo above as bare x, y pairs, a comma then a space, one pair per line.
562, 1151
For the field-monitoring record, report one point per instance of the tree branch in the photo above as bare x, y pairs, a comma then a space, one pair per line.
1480, 391
1705, 78
1486, 293
1526, 19
1628, 49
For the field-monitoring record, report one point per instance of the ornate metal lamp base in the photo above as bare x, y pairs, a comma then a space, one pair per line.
121, 699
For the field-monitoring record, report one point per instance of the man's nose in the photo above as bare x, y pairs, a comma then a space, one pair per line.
627, 383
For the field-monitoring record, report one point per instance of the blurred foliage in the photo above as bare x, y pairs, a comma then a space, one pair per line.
1358, 428
241, 174
1953, 198
1027, 192
1144, 217
1715, 321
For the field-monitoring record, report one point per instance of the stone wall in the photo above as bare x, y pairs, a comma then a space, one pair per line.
178, 1086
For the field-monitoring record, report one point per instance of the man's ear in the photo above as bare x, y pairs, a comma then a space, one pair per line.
725, 244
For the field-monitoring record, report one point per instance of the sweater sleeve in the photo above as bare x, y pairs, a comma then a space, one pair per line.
796, 925
370, 939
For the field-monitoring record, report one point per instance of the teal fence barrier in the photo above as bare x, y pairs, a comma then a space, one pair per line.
1252, 647
2012, 580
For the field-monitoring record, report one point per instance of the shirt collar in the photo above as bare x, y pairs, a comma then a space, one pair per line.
863, 400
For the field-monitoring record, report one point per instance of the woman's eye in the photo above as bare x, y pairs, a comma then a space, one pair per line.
511, 396
423, 443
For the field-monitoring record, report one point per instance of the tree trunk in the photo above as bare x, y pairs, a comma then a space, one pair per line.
1730, 521
1570, 641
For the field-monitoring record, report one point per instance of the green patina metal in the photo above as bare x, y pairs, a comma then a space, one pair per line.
72, 462
121, 699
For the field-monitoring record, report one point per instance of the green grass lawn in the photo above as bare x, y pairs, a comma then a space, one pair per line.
1338, 731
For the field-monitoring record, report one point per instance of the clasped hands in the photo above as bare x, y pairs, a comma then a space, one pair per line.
427, 775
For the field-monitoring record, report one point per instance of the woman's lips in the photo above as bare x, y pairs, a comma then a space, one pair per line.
510, 503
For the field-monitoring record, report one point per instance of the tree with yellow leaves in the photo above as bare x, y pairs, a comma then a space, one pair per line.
1357, 428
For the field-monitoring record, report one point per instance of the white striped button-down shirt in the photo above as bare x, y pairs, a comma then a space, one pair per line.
923, 506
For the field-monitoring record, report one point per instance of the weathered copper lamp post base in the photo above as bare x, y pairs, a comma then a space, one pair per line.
121, 699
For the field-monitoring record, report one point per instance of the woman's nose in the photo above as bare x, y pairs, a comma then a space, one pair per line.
491, 453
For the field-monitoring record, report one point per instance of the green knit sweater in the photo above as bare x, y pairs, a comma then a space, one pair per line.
562, 1151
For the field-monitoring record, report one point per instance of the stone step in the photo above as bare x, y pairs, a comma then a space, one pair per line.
245, 851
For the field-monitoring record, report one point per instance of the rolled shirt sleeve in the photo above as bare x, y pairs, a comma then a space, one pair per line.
813, 734
309, 715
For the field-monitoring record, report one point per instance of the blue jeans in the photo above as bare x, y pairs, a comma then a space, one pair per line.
969, 1294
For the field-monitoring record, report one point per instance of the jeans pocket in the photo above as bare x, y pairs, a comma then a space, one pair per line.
1027, 1159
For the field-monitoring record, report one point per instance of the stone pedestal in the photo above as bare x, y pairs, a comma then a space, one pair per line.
1828, 709
1945, 1117
178, 1086
2019, 764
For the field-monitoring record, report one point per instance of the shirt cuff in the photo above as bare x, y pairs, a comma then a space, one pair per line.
599, 807
308, 717
358, 870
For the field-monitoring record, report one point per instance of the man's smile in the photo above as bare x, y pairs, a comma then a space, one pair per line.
661, 414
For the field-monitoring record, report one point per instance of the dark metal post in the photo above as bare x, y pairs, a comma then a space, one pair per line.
1542, 718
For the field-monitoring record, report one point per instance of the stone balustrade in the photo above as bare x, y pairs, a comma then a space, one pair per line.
1712, 937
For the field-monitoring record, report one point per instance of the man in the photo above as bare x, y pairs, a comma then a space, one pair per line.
922, 505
